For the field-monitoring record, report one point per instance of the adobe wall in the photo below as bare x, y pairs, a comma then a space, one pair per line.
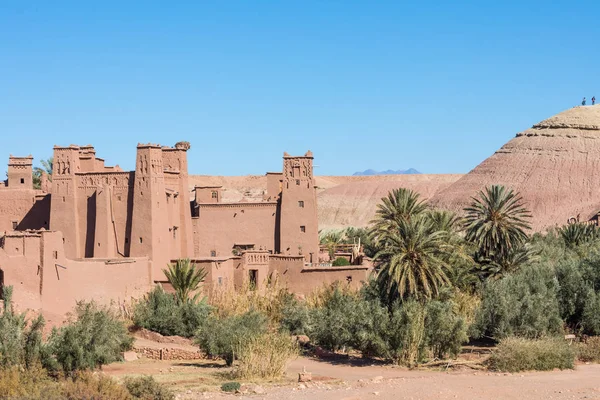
220, 271
15, 204
34, 263
219, 227
291, 272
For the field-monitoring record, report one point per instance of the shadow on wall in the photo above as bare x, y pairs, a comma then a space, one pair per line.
38, 216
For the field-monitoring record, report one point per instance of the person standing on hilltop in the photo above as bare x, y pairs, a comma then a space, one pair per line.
583, 102
593, 100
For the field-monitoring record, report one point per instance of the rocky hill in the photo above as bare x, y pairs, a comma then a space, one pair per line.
555, 165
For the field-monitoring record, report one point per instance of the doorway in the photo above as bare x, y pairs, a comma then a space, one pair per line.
253, 275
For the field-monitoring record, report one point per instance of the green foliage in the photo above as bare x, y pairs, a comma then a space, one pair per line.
496, 222
94, 336
577, 234
185, 279
400, 205
295, 318
523, 304
161, 312
445, 331
518, 354
20, 339
220, 337
412, 260
146, 388
405, 333
231, 387
340, 262
46, 168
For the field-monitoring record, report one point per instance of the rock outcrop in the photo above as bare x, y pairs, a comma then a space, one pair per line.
554, 165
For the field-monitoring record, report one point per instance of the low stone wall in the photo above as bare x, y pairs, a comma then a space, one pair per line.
168, 353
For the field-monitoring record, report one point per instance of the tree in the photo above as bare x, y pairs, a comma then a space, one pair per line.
496, 222
331, 240
399, 205
411, 260
46, 168
185, 279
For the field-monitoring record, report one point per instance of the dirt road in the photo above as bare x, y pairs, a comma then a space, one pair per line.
386, 383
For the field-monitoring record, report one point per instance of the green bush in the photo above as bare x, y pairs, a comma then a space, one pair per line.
589, 350
518, 354
20, 339
160, 312
146, 388
444, 330
340, 262
523, 304
231, 386
31, 383
94, 336
219, 337
295, 318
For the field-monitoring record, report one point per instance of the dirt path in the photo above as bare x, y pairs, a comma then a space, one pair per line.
373, 382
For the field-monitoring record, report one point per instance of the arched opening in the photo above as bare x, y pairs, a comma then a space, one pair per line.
1, 285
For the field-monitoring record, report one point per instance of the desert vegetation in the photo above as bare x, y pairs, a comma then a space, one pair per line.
440, 280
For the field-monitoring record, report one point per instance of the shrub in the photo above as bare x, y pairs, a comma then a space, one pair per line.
94, 336
522, 304
231, 386
20, 339
589, 350
340, 262
518, 354
406, 333
91, 386
160, 312
265, 356
31, 383
445, 331
296, 318
146, 388
220, 337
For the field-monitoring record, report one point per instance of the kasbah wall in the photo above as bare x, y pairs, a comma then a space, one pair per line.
98, 232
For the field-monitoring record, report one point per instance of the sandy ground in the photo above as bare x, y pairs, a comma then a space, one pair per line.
341, 380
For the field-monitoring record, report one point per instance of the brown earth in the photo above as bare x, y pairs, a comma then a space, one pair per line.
342, 200
334, 380
554, 165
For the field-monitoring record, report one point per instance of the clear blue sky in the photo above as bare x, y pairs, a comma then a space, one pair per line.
434, 85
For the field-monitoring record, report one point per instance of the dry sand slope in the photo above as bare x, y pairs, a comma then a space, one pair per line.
555, 165
342, 200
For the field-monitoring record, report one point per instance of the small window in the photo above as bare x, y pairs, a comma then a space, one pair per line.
253, 276
301, 204
302, 228
22, 181
119, 198
298, 182
214, 194
15, 224
213, 253
64, 199
141, 240
220, 280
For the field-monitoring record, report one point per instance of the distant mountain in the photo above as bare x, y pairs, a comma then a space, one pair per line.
388, 172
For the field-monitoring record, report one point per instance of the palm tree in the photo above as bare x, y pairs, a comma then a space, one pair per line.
331, 240
577, 234
411, 260
185, 279
496, 222
399, 205
46, 168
